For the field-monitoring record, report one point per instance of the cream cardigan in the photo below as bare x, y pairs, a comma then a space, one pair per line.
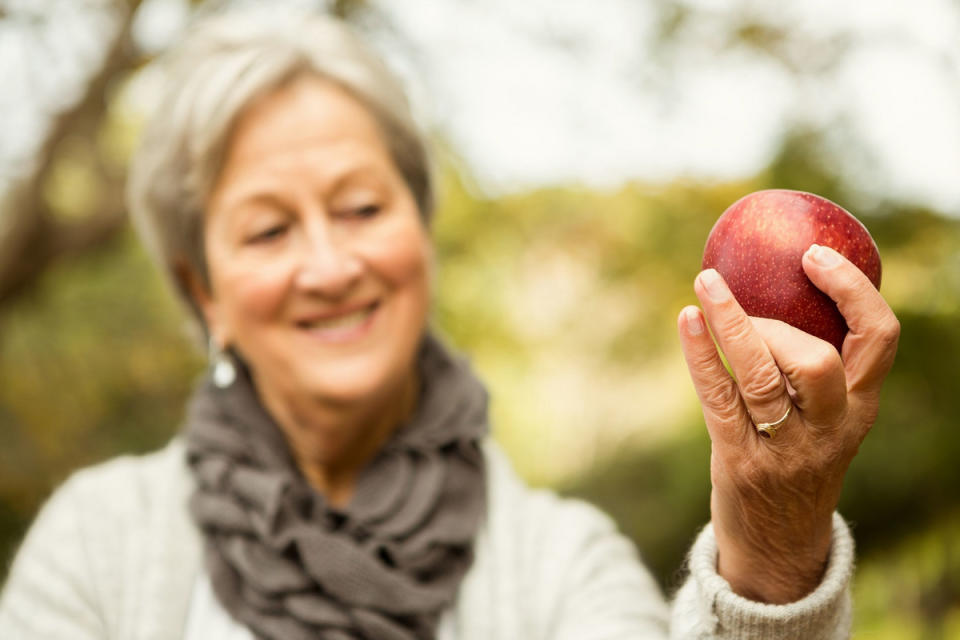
114, 555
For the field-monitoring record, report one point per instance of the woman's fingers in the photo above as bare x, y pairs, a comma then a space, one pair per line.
723, 409
813, 369
759, 380
871, 345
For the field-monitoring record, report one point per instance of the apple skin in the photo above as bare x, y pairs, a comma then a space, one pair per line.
757, 246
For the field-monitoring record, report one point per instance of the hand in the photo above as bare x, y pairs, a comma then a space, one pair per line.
773, 498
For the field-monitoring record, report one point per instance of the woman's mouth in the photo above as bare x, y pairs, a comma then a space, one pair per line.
341, 327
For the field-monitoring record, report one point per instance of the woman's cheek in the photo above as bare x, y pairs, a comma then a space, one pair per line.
404, 257
259, 293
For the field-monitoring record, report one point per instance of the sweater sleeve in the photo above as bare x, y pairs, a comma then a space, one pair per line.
49, 593
706, 608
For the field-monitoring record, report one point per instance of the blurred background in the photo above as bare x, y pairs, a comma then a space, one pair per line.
584, 150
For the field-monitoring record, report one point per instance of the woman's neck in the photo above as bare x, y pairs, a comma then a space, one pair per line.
332, 443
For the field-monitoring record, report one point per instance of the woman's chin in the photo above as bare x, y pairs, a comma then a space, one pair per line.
349, 385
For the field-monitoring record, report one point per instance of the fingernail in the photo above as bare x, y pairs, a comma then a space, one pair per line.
824, 256
694, 322
715, 286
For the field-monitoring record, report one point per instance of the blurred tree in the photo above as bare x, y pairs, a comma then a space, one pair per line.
71, 55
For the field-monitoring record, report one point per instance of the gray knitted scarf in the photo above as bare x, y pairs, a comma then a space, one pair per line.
290, 566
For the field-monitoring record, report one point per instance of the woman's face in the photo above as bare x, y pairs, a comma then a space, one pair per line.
318, 261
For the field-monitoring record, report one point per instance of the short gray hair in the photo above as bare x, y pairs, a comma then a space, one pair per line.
226, 62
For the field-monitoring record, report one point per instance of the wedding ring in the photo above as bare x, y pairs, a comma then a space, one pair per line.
769, 429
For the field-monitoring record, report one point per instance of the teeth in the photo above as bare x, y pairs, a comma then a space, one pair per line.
340, 322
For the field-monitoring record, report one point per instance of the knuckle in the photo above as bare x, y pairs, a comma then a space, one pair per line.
722, 399
818, 361
716, 389
737, 328
763, 385
706, 362
889, 331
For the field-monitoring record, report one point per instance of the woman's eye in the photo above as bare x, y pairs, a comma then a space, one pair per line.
268, 234
366, 211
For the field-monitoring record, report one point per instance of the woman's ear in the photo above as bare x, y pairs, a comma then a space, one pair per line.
202, 299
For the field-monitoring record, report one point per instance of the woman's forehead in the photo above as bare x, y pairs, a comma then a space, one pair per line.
305, 112
311, 126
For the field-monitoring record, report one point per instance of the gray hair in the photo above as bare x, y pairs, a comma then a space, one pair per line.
225, 63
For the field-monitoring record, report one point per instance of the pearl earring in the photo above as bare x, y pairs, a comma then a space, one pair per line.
223, 370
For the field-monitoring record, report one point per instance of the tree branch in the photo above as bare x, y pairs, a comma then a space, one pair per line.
33, 238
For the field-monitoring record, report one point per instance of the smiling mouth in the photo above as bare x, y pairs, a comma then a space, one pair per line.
340, 327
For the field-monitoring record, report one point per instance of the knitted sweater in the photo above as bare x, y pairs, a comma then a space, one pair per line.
114, 555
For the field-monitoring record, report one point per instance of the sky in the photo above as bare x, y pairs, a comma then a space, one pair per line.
604, 111
546, 91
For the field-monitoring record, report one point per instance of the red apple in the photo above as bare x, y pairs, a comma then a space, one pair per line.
757, 246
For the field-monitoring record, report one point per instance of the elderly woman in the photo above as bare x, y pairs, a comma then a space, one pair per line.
334, 477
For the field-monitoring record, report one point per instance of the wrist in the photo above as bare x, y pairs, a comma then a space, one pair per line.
771, 550
770, 581
773, 573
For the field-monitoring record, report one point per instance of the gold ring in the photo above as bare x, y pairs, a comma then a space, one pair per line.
769, 429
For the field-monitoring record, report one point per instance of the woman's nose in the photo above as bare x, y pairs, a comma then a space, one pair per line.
330, 267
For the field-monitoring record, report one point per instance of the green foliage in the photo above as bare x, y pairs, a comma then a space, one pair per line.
911, 590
